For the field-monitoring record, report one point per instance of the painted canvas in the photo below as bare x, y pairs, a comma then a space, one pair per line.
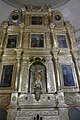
6, 76
12, 39
37, 40
61, 39
36, 20
68, 75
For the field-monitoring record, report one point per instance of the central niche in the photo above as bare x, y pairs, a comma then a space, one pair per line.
37, 77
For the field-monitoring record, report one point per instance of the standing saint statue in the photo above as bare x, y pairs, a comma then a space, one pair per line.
37, 84
37, 78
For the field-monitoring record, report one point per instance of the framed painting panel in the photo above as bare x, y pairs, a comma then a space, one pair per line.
37, 40
62, 41
67, 73
36, 20
11, 41
6, 76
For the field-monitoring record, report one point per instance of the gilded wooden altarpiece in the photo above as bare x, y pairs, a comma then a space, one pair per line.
38, 43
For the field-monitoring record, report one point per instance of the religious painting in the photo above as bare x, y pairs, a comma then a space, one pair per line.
36, 20
67, 75
12, 39
61, 39
6, 76
37, 40
37, 77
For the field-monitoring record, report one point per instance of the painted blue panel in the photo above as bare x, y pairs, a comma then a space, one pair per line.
74, 114
61, 41
68, 75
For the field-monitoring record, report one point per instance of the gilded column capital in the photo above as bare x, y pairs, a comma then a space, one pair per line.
49, 58
19, 52
21, 26
52, 26
55, 55
50, 10
23, 9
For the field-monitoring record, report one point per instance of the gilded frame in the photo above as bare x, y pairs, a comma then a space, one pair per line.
16, 34
74, 75
36, 15
13, 75
44, 46
56, 41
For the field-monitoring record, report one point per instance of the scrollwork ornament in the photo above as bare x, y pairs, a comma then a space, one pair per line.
14, 98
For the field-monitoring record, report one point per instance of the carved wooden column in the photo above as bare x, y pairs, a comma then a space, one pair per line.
2, 39
78, 69
12, 110
50, 17
56, 67
21, 34
25, 40
51, 82
57, 73
25, 76
23, 14
18, 59
70, 33
76, 65
5, 26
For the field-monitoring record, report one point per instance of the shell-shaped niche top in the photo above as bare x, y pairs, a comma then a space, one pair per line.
21, 3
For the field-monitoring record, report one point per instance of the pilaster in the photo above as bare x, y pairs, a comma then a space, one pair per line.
18, 60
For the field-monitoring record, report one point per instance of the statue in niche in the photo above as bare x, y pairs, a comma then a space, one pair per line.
37, 78
37, 84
